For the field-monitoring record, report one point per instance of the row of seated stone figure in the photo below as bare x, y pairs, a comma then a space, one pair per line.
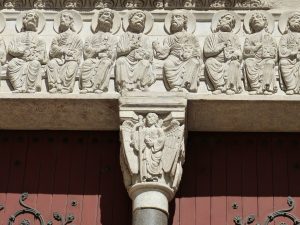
130, 56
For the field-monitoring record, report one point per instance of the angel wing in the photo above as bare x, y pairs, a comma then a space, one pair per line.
173, 146
131, 157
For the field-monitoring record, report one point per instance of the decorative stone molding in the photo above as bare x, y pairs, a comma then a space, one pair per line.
138, 4
152, 148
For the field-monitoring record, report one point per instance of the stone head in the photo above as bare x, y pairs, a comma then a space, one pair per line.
105, 20
258, 22
66, 21
226, 23
178, 22
137, 20
293, 23
130, 4
101, 4
151, 119
30, 21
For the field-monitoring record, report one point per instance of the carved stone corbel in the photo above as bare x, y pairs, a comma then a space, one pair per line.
152, 152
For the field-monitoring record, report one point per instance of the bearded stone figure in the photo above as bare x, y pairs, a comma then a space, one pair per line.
223, 54
133, 68
260, 54
289, 54
182, 63
65, 53
100, 54
29, 53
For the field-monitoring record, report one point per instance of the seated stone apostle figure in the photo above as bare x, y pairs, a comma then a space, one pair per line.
223, 54
181, 51
133, 70
29, 53
65, 53
260, 54
100, 54
289, 54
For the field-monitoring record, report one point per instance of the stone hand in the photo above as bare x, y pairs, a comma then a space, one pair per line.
155, 44
258, 46
149, 142
221, 46
102, 48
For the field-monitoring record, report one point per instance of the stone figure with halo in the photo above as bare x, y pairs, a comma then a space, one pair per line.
100, 52
28, 52
65, 52
260, 54
289, 52
223, 54
180, 52
133, 70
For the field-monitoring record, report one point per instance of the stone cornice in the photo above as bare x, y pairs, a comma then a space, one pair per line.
278, 113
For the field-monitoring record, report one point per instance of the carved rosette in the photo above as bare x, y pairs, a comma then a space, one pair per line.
152, 148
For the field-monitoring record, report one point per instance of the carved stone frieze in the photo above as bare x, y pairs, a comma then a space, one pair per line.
223, 53
180, 52
260, 54
137, 4
133, 69
65, 53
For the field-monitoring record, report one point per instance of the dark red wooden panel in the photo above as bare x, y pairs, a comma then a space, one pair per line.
218, 181
77, 176
264, 176
203, 150
90, 209
293, 148
280, 175
5, 152
47, 175
79, 173
234, 177
249, 176
18, 148
107, 185
187, 201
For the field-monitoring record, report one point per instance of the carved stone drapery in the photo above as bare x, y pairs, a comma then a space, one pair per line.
152, 152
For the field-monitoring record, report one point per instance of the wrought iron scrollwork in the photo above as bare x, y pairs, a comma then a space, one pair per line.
279, 213
63, 221
37, 215
26, 210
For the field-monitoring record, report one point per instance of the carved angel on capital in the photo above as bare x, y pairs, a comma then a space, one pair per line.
181, 52
152, 150
223, 53
289, 52
260, 54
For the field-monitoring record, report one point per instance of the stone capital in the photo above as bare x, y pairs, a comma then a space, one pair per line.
152, 150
